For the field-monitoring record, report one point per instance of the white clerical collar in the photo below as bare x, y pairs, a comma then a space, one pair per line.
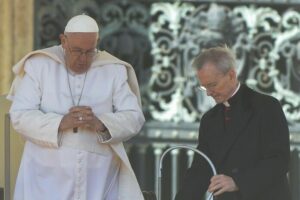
226, 103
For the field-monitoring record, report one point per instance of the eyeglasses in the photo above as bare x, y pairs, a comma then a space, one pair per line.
77, 52
80, 52
211, 86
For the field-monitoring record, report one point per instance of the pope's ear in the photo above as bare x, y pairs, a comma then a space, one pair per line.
62, 38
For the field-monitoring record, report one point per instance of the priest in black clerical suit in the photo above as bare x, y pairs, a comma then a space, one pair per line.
245, 135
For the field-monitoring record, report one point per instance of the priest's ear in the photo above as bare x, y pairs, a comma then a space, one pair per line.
232, 74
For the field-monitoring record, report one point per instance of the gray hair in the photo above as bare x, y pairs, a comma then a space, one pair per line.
222, 57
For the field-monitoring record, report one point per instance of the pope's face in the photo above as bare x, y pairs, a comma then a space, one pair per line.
80, 50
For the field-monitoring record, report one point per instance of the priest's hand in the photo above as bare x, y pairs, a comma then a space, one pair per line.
222, 183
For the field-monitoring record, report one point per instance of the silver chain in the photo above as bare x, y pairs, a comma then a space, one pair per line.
69, 84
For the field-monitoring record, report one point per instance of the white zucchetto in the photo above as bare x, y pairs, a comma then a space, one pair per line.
82, 24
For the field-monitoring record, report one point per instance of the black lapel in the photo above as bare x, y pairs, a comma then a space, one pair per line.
216, 131
240, 122
240, 118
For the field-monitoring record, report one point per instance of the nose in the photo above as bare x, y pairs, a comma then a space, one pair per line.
83, 57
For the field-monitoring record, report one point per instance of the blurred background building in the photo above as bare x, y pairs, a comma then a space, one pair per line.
160, 39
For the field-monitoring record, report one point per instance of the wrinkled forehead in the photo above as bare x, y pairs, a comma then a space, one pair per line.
82, 35
82, 40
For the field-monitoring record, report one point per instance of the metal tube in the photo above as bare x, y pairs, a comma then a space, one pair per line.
157, 153
182, 147
174, 154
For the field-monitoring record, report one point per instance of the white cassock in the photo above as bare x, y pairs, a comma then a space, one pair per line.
82, 165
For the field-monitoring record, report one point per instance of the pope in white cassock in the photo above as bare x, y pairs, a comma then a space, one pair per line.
75, 106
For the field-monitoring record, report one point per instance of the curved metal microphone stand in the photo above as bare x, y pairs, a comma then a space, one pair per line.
182, 147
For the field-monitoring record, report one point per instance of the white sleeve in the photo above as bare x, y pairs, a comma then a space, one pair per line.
127, 118
26, 116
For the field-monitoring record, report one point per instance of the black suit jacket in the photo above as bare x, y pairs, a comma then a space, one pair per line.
253, 149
